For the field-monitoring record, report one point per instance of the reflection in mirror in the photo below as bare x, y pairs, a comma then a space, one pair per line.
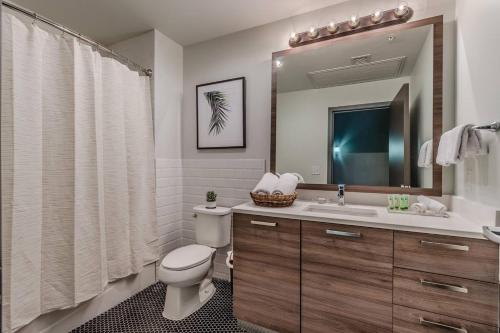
358, 112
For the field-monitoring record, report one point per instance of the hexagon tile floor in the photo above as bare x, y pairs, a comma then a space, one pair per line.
142, 314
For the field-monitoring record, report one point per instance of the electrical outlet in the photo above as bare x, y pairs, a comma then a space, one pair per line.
315, 170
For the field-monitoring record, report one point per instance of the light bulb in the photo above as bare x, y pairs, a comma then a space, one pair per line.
354, 21
313, 32
402, 10
294, 38
377, 16
278, 63
332, 27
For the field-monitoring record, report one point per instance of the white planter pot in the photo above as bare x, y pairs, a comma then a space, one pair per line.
211, 204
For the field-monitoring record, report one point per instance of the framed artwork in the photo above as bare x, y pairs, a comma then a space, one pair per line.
220, 114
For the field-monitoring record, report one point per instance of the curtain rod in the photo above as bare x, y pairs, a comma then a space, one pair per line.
37, 17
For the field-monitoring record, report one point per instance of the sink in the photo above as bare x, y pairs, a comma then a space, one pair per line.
341, 210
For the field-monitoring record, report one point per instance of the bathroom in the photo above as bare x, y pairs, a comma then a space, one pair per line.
130, 205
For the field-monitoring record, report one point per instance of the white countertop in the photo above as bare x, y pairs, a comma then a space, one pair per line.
454, 225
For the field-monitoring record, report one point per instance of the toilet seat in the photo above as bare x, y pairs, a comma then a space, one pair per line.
187, 257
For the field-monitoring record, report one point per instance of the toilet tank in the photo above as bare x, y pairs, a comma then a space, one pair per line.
212, 226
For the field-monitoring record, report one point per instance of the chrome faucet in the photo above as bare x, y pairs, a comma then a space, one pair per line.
340, 194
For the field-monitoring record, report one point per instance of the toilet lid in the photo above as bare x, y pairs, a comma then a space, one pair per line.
186, 257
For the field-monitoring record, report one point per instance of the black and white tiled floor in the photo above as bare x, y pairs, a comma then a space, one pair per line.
142, 314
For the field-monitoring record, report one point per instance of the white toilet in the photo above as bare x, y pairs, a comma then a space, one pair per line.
188, 270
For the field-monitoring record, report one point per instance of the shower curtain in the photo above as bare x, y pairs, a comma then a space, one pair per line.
77, 158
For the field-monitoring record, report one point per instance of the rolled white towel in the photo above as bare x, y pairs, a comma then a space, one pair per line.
425, 155
267, 184
431, 204
418, 207
287, 184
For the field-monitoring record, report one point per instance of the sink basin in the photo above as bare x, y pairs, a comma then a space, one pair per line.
341, 210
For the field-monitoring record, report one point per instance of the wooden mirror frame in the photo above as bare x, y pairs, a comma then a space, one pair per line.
437, 112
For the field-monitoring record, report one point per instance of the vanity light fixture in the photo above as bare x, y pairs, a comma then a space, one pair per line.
313, 32
377, 16
294, 38
378, 19
402, 10
354, 22
332, 27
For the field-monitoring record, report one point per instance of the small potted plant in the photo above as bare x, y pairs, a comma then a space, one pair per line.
211, 200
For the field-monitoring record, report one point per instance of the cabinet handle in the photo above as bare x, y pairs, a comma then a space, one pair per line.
265, 224
425, 322
447, 246
343, 233
445, 286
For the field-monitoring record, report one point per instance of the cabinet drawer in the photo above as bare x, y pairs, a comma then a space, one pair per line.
266, 275
341, 290
359, 248
408, 320
446, 295
462, 257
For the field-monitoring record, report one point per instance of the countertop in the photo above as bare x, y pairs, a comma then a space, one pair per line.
454, 225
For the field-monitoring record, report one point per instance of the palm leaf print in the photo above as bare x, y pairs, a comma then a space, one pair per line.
220, 108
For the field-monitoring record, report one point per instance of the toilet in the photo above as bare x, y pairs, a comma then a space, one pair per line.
187, 271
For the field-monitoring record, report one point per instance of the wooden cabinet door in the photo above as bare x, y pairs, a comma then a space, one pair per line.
346, 279
267, 271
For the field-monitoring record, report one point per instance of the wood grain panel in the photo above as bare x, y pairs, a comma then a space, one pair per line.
407, 320
473, 301
346, 283
479, 262
372, 252
267, 272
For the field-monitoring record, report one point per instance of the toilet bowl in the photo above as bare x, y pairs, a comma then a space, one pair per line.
188, 270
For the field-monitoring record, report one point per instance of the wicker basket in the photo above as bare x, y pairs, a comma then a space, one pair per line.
273, 200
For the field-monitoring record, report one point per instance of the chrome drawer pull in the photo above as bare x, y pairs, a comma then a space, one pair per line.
447, 246
450, 287
265, 224
442, 326
343, 233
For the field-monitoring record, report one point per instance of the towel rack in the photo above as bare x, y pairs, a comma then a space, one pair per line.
493, 127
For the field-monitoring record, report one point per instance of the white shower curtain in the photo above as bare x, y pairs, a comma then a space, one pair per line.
78, 204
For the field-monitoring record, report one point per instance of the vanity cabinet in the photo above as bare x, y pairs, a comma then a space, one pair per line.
445, 283
266, 276
346, 278
315, 277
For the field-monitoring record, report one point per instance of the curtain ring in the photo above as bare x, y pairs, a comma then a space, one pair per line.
35, 17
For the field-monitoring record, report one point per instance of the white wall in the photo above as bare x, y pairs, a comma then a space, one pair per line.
156, 51
248, 53
302, 126
421, 102
478, 101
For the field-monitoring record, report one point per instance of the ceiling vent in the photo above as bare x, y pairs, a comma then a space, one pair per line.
363, 59
358, 73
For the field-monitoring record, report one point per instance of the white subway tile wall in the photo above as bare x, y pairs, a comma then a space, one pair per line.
231, 179
169, 204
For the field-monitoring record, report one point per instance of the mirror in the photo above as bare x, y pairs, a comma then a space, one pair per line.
360, 111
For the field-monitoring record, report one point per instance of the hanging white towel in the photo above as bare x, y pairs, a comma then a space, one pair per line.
431, 204
287, 184
425, 155
266, 184
459, 143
